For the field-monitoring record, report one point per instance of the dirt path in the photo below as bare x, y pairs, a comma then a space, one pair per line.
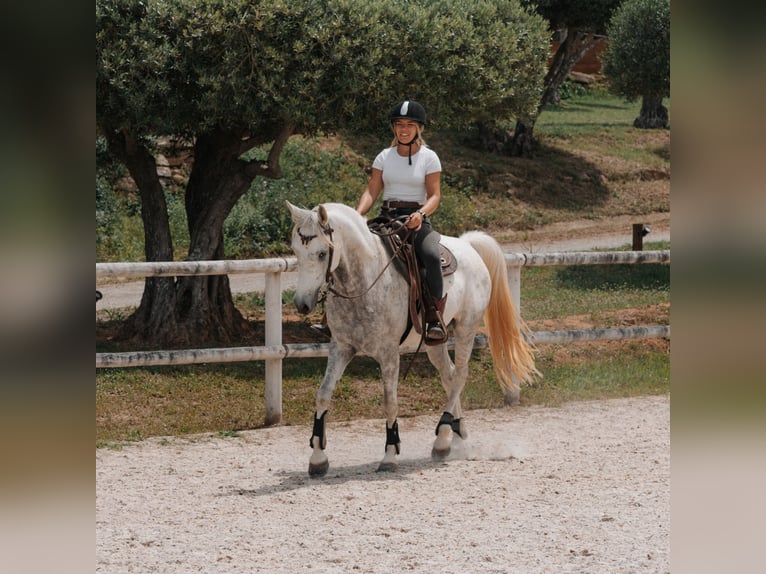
580, 488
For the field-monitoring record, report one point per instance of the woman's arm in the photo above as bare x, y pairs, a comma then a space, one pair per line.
371, 192
433, 197
433, 192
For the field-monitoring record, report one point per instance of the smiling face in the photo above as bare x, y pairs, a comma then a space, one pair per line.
406, 130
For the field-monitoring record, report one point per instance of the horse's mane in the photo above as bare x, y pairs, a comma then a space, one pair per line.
345, 219
346, 212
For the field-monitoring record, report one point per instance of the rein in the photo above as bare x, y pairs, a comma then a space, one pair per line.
396, 225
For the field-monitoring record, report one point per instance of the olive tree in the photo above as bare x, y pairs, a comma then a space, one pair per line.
580, 26
637, 58
239, 76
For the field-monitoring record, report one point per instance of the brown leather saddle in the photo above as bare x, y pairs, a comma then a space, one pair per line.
398, 242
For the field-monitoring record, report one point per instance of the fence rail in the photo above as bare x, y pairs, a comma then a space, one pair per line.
274, 352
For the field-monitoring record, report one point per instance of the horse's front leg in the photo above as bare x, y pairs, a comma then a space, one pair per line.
389, 367
337, 360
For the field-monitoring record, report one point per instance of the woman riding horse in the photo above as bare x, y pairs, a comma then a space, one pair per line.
408, 172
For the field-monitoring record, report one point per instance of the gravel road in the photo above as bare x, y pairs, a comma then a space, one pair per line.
582, 488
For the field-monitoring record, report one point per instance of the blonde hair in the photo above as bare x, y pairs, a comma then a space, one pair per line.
420, 140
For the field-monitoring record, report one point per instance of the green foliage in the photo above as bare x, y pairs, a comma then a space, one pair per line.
636, 60
111, 210
244, 69
475, 185
569, 90
181, 66
107, 214
119, 229
260, 223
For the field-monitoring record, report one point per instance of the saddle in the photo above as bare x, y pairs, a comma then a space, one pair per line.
398, 241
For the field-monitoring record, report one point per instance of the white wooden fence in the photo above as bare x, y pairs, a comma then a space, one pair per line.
274, 351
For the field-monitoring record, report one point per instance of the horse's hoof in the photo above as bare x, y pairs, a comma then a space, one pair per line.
387, 467
317, 470
439, 454
512, 398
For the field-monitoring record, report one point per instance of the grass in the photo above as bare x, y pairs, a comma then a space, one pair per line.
134, 404
591, 163
587, 114
595, 290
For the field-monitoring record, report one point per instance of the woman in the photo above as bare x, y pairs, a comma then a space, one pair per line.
409, 174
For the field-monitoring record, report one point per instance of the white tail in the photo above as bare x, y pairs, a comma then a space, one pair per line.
512, 357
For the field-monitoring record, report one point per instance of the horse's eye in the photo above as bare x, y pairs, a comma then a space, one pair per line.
322, 255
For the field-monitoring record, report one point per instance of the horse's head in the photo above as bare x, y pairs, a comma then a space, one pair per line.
312, 243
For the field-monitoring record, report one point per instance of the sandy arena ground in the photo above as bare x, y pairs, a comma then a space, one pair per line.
581, 488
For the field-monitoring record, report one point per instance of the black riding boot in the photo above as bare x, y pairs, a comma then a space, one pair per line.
436, 331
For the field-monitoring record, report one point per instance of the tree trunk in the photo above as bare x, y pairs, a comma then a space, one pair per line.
575, 44
653, 114
192, 310
205, 309
156, 310
523, 140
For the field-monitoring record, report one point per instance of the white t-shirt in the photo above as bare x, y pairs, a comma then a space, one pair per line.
402, 181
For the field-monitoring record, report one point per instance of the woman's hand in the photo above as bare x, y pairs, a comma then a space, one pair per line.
415, 220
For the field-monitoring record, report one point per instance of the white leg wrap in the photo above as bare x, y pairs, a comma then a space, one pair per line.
442, 442
318, 457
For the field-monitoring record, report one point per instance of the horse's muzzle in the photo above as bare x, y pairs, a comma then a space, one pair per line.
303, 308
305, 303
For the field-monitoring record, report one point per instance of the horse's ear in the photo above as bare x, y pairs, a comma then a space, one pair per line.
323, 217
296, 212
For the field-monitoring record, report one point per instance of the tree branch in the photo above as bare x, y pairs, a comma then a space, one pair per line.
271, 168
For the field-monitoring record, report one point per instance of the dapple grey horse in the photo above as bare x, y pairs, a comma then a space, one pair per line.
367, 312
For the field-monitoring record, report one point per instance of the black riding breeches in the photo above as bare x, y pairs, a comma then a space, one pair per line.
427, 248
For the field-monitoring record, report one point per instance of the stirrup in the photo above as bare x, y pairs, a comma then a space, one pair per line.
436, 334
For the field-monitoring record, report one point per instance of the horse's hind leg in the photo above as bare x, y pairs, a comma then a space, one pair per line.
450, 430
337, 360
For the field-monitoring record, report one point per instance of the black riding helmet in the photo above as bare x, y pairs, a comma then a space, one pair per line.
411, 110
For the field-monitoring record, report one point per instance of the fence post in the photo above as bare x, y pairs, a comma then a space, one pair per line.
514, 282
638, 236
273, 327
